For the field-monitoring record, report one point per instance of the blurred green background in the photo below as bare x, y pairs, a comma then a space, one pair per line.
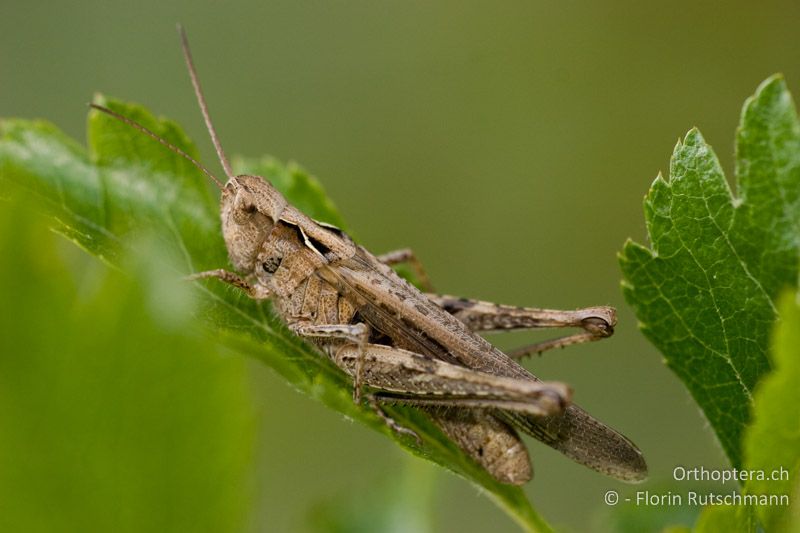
510, 144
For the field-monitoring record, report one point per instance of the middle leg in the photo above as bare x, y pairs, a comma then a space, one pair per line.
357, 334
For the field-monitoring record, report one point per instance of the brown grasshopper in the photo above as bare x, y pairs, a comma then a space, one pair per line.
400, 345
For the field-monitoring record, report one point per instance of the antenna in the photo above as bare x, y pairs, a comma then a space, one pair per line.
187, 55
136, 125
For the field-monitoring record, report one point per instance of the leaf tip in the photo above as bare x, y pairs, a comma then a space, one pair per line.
693, 137
771, 97
775, 82
692, 143
633, 256
99, 98
622, 255
659, 181
624, 259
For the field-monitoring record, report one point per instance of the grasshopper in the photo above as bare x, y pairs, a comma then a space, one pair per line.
401, 345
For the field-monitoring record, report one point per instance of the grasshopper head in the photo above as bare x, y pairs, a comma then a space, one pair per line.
250, 209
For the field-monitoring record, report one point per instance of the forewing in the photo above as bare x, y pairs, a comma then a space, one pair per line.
586, 440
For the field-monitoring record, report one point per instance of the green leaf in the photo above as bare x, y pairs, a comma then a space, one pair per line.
727, 518
115, 414
129, 184
773, 440
705, 291
399, 503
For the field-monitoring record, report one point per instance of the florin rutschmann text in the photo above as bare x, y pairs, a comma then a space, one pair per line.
646, 498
